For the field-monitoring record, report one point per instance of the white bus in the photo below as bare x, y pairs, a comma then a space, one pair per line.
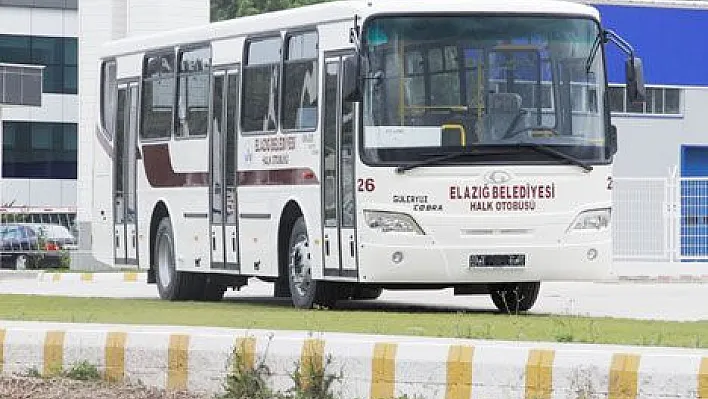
349, 147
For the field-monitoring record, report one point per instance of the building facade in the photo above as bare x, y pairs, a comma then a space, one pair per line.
39, 145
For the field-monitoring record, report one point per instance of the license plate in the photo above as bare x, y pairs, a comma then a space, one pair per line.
493, 260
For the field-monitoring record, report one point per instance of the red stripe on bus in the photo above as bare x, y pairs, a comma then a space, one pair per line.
160, 173
277, 177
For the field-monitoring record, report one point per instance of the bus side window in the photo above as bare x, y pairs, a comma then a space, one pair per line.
193, 92
300, 77
261, 76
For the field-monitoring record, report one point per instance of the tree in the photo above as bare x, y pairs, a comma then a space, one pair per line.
227, 9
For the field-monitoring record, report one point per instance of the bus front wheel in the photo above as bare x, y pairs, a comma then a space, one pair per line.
172, 284
515, 297
305, 292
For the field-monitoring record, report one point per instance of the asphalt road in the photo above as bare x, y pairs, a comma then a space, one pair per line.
674, 301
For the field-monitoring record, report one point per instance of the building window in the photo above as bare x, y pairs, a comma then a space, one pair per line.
58, 54
300, 82
193, 89
659, 101
39, 150
158, 95
261, 76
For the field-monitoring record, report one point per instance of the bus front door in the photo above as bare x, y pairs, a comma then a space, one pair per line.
338, 176
125, 174
223, 220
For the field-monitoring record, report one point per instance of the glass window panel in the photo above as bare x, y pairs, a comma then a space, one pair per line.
53, 81
15, 49
451, 60
42, 136
47, 50
193, 108
302, 46
217, 131
70, 80
265, 51
260, 87
414, 62
435, 60
232, 101
197, 60
69, 137
70, 51
616, 96
300, 95
658, 97
329, 150
108, 98
672, 101
347, 164
157, 108
634, 107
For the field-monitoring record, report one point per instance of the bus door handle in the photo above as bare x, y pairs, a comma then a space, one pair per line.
326, 245
351, 246
213, 241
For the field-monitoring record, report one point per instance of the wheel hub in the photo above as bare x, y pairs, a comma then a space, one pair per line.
164, 260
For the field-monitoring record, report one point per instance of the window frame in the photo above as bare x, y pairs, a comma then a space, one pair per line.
141, 102
179, 52
646, 114
318, 60
107, 133
244, 67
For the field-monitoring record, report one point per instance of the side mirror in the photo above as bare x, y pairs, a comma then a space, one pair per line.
636, 93
351, 91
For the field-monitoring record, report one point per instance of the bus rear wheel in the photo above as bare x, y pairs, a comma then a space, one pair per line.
171, 284
515, 297
305, 292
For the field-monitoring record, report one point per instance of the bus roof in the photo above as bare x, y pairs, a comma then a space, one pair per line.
342, 10
690, 4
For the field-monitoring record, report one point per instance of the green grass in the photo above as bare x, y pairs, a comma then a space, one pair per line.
280, 316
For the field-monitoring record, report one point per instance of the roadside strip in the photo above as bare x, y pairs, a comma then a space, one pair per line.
371, 366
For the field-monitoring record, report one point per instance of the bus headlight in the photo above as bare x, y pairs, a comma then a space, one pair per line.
596, 219
391, 222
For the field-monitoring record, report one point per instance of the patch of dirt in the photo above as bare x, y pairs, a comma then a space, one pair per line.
59, 388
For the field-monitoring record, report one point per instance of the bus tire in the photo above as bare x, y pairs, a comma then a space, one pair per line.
171, 284
515, 297
213, 292
305, 292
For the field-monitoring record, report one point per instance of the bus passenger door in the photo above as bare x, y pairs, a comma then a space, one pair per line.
338, 176
223, 220
125, 174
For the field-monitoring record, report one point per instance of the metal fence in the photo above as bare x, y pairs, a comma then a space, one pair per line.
660, 219
36, 237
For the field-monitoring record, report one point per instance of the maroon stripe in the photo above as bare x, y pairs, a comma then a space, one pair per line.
159, 171
277, 177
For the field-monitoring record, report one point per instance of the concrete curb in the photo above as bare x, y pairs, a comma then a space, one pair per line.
372, 366
19, 274
682, 278
90, 277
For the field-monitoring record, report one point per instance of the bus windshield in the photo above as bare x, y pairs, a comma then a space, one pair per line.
438, 85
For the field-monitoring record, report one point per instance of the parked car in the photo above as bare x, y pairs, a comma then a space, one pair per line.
34, 245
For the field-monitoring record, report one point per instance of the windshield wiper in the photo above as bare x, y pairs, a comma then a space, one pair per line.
544, 149
435, 160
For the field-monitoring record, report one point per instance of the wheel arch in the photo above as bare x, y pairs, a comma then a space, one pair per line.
159, 211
